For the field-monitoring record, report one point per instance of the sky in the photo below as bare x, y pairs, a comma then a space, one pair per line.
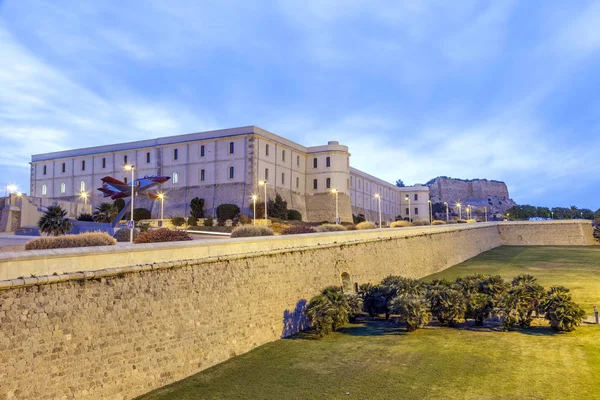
502, 89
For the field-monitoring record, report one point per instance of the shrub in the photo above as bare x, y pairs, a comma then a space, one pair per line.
330, 228
277, 208
178, 221
251, 230
400, 224
438, 222
143, 227
55, 222
374, 301
447, 304
461, 221
162, 235
471, 221
451, 221
192, 221
562, 312
331, 309
123, 234
106, 212
138, 214
420, 223
357, 219
294, 215
82, 240
119, 204
521, 300
197, 208
412, 310
297, 229
351, 227
227, 211
85, 217
208, 221
365, 225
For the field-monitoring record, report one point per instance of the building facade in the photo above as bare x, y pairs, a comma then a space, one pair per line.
224, 166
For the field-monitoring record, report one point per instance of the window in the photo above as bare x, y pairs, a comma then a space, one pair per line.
282, 178
348, 183
266, 150
283, 155
328, 162
407, 211
64, 168
202, 151
63, 188
416, 211
44, 190
147, 158
328, 183
83, 165
125, 160
315, 162
104, 163
82, 186
231, 172
202, 175
297, 182
298, 161
44, 169
266, 174
416, 197
315, 185
175, 154
231, 148
175, 178
125, 179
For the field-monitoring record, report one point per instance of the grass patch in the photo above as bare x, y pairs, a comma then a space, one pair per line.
376, 359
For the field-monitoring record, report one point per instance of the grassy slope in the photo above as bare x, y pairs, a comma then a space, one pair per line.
376, 360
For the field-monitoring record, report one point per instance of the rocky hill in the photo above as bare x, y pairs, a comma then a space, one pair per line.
474, 192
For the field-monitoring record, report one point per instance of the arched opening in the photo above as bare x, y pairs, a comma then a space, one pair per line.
346, 282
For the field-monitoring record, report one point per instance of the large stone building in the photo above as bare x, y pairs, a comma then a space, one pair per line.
226, 166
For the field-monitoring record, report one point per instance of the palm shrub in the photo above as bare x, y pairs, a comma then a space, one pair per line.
374, 301
331, 309
531, 295
447, 304
562, 312
479, 305
85, 217
412, 310
105, 212
55, 222
320, 315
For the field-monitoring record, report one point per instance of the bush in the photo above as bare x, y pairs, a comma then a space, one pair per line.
451, 221
351, 227
138, 214
192, 221
438, 222
118, 204
471, 221
447, 304
330, 228
178, 221
208, 221
357, 219
106, 212
227, 211
461, 221
85, 217
400, 224
55, 222
374, 301
412, 310
297, 229
123, 234
331, 309
162, 235
294, 215
420, 223
251, 230
82, 240
277, 208
197, 208
562, 312
365, 225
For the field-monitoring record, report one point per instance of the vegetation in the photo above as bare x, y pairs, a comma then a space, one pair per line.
227, 211
178, 221
85, 217
197, 208
67, 241
54, 221
296, 229
251, 230
412, 310
400, 224
208, 221
138, 214
357, 219
438, 222
294, 215
332, 309
400, 183
106, 212
330, 228
162, 235
365, 225
277, 208
124, 234
564, 314
192, 221
527, 211
119, 204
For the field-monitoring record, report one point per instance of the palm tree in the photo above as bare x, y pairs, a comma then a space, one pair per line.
105, 212
55, 222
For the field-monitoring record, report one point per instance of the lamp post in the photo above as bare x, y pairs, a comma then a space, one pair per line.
485, 210
84, 196
469, 215
131, 168
378, 197
447, 216
337, 217
261, 183
407, 198
254, 197
430, 212
161, 196
552, 213
459, 210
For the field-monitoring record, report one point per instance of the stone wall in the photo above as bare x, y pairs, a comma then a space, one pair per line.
560, 232
117, 333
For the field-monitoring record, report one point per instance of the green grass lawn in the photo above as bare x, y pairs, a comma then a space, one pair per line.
377, 360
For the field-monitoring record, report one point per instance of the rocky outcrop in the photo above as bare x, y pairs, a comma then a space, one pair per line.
477, 193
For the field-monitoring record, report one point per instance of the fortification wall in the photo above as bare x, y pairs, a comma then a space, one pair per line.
454, 190
540, 233
117, 333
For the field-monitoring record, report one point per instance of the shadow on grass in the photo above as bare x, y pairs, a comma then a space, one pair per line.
495, 326
369, 327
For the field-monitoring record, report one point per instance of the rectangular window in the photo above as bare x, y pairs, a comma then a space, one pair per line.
315, 185
298, 161
231, 148
328, 183
416, 197
147, 158
283, 155
63, 188
282, 178
315, 162
348, 183
416, 211
104, 163
328, 162
201, 175
44, 190
297, 182
175, 154
407, 211
202, 151
125, 160
83, 165
266, 174
125, 180
64, 167
44, 170
231, 172
175, 178
267, 150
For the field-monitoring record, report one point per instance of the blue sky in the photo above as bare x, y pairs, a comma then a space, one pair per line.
501, 89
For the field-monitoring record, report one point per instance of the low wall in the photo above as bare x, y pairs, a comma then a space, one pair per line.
539, 233
171, 310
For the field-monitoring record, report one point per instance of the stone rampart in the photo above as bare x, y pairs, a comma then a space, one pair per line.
170, 310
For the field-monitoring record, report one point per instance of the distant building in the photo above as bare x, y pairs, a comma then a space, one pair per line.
226, 166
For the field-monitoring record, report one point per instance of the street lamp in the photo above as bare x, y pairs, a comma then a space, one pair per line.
131, 168
161, 196
378, 197
447, 217
469, 215
261, 183
254, 197
459, 210
337, 217
84, 196
552, 213
407, 198
430, 212
485, 209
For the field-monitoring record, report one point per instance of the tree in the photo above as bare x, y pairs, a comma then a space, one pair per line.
105, 212
400, 183
197, 207
447, 304
412, 310
331, 309
277, 208
227, 211
120, 204
55, 222
562, 312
